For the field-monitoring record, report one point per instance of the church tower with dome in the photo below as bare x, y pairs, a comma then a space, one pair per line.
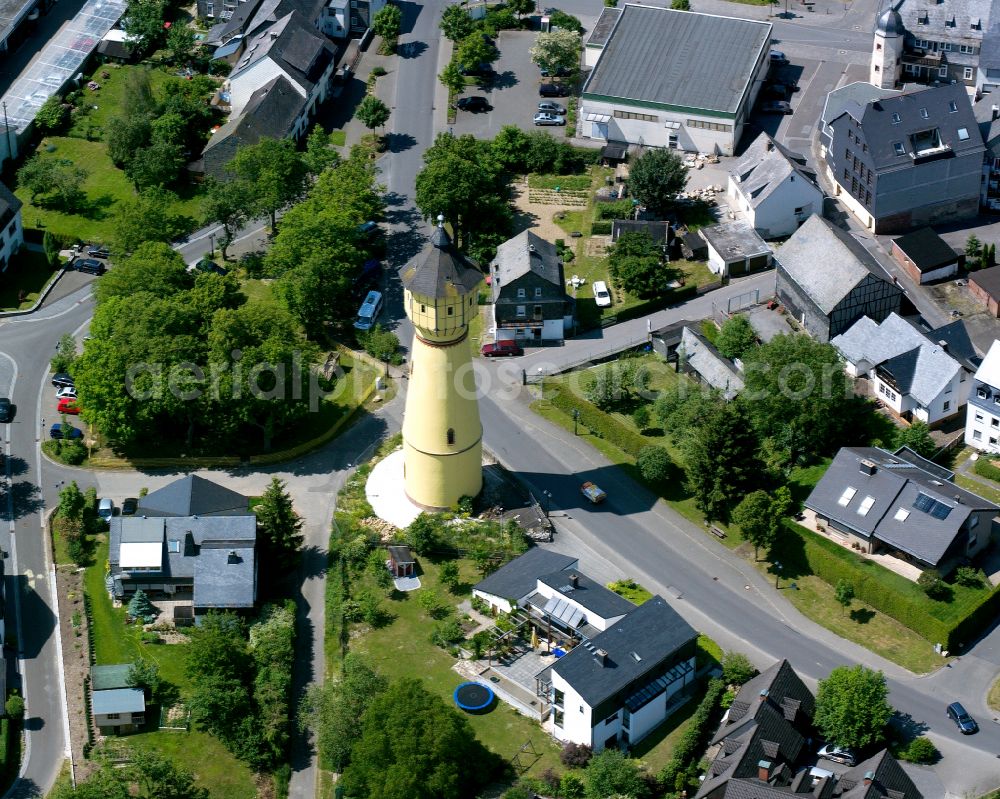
887, 51
442, 431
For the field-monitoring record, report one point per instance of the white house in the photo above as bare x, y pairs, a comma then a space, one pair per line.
982, 418
513, 582
666, 78
918, 376
622, 684
773, 189
291, 48
11, 229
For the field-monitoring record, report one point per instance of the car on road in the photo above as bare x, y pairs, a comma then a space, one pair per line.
66, 391
549, 107
106, 509
98, 251
6, 410
62, 379
61, 430
549, 119
130, 506
837, 754
776, 107
475, 104
593, 493
965, 723
500, 348
68, 405
778, 57
552, 90
90, 266
601, 294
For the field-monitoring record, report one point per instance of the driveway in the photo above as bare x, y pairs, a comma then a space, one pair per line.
514, 93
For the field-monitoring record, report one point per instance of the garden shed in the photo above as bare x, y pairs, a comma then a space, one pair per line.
401, 562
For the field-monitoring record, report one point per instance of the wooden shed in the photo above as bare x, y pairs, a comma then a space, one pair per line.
401, 562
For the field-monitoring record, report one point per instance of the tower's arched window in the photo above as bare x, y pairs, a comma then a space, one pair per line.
451, 436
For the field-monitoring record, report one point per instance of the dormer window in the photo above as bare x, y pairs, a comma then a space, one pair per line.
952, 107
898, 147
896, 118
963, 134
924, 114
982, 393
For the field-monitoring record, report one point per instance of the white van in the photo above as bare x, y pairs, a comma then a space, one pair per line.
369, 311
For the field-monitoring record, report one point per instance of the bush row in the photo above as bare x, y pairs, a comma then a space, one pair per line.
985, 467
871, 588
598, 422
601, 228
616, 209
683, 765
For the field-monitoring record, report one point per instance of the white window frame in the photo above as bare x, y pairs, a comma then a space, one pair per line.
967, 73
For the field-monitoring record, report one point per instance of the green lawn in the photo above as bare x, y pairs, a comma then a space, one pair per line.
258, 290
338, 138
403, 649
115, 642
108, 101
105, 187
29, 272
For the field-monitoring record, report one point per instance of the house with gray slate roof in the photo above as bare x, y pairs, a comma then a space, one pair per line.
117, 706
696, 355
513, 582
828, 281
206, 557
617, 687
530, 304
773, 188
666, 78
762, 750
906, 161
899, 504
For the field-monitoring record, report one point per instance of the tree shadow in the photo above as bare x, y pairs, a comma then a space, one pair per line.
906, 728
505, 80
17, 466
27, 499
789, 549
862, 615
96, 208
411, 49
34, 723
411, 11
398, 142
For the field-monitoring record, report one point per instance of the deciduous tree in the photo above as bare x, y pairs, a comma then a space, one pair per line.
143, 23
656, 178
636, 265
159, 777
474, 51
275, 172
736, 338
918, 438
852, 706
737, 668
144, 217
456, 23
226, 203
654, 463
154, 268
372, 112
557, 50
320, 155
387, 22
758, 520
180, 43
612, 772
844, 593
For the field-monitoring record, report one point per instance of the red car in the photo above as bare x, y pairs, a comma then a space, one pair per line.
68, 405
505, 347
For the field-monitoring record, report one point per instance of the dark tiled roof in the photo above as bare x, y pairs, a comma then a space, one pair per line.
441, 271
654, 631
784, 689
400, 554
658, 55
660, 231
517, 579
588, 593
988, 280
926, 249
526, 252
887, 776
292, 43
270, 112
8, 201
956, 336
193, 496
225, 578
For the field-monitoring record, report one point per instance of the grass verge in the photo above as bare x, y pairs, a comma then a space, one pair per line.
25, 279
993, 697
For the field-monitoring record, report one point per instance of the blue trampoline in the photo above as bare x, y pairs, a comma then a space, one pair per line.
473, 697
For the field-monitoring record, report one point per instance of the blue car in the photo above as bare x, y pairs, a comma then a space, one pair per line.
60, 430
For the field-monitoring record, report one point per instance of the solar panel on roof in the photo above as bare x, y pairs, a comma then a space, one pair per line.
931, 506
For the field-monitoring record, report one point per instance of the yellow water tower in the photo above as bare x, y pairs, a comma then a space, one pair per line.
442, 433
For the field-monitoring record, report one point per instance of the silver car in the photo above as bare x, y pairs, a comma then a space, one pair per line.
549, 119
547, 107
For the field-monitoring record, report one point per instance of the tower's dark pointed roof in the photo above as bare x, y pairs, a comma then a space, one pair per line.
440, 270
890, 23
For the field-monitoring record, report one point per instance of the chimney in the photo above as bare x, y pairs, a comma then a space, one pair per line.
958, 498
531, 248
867, 467
763, 695
943, 345
763, 770
574, 581
996, 112
233, 557
869, 776
601, 656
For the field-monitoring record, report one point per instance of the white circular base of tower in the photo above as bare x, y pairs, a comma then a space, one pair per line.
385, 492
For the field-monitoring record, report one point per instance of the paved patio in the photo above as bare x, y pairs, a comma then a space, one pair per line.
893, 564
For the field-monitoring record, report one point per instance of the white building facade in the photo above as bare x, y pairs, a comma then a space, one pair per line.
982, 420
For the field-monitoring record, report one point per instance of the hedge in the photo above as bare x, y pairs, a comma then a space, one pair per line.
602, 228
687, 752
985, 467
598, 422
873, 585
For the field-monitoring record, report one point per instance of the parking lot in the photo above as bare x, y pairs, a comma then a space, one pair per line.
513, 94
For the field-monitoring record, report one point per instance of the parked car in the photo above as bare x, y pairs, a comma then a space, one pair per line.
62, 379
68, 405
593, 493
776, 107
965, 723
552, 90
549, 119
601, 295
106, 509
551, 108
499, 348
6, 410
60, 430
130, 506
778, 57
837, 754
560, 72
90, 266
66, 391
779, 90
98, 251
208, 266
475, 104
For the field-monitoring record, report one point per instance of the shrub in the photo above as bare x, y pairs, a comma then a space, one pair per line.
446, 633
970, 577
560, 19
378, 71
571, 786
920, 750
986, 467
380, 343
601, 228
640, 416
432, 604
618, 209
737, 668
683, 765
654, 464
930, 580
576, 755
600, 424
72, 452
